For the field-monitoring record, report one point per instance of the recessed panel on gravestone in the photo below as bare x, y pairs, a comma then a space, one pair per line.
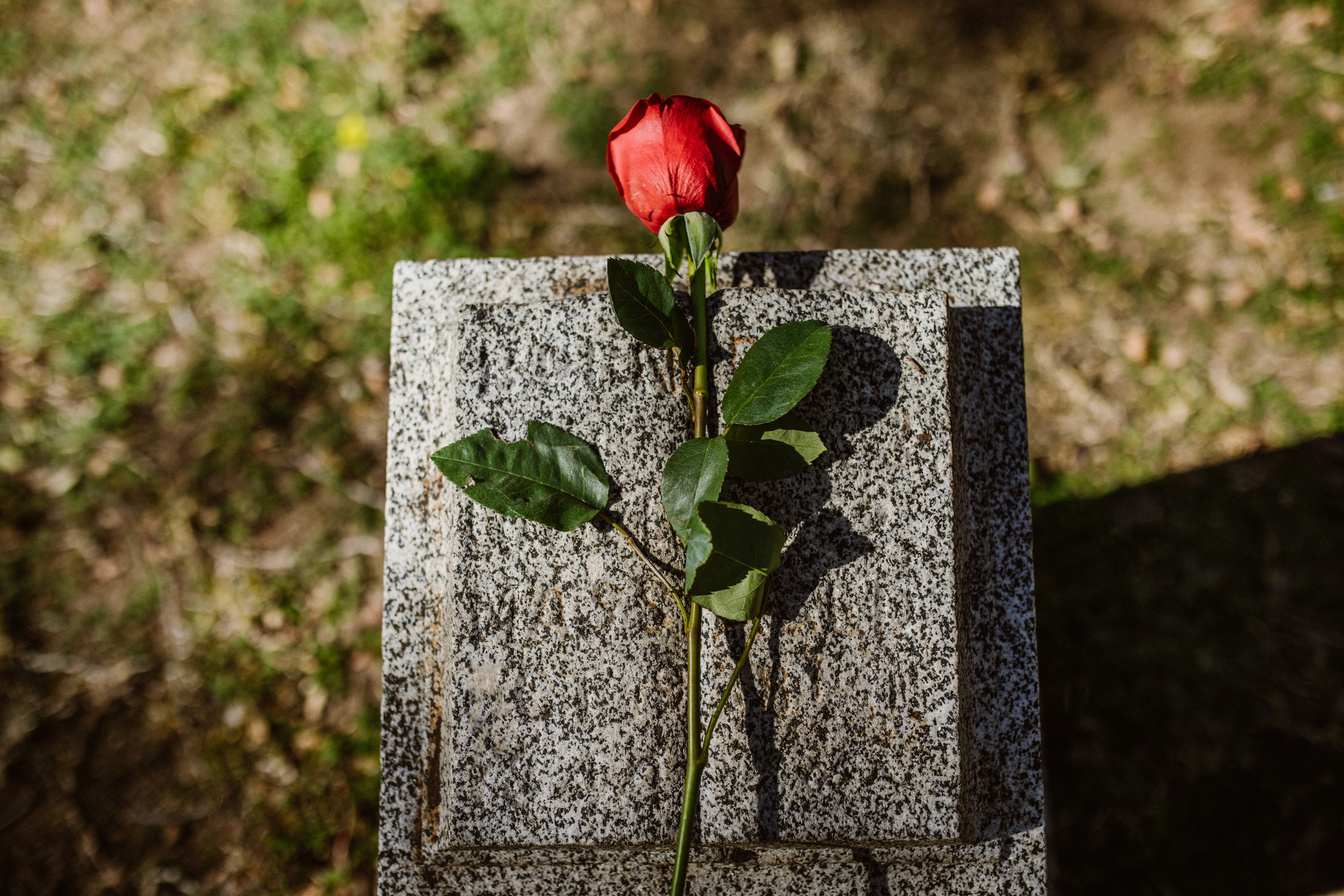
845, 727
563, 668
563, 665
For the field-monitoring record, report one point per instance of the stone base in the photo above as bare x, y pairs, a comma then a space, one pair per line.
532, 683
1010, 866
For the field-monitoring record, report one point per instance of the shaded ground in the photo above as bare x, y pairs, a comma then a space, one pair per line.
200, 205
1192, 649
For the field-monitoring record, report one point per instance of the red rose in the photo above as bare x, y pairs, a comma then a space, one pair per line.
676, 155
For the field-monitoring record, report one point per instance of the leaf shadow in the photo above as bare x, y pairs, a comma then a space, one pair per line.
786, 270
857, 390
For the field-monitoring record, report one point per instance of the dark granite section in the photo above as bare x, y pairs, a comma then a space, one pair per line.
1000, 720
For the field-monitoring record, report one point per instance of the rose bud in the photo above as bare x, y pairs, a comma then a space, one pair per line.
676, 155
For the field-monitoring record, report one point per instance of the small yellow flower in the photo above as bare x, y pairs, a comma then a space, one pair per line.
352, 131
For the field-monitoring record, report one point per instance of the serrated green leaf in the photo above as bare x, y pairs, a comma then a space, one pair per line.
729, 557
693, 473
777, 372
553, 477
647, 308
772, 450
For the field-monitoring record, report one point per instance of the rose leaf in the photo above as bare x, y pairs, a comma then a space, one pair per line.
693, 473
774, 450
553, 477
647, 308
729, 557
777, 372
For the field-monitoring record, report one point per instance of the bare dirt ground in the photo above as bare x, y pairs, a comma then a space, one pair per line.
201, 204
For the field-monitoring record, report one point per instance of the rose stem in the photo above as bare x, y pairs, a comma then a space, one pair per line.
737, 670
695, 762
639, 552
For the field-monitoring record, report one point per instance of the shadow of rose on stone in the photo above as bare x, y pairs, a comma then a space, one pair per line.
859, 388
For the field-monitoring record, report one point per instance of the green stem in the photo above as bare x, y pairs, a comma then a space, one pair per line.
688, 801
700, 399
741, 663
634, 546
695, 765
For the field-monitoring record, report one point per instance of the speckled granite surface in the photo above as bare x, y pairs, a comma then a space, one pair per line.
846, 725
531, 724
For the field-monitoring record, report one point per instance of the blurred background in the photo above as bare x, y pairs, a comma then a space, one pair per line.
200, 205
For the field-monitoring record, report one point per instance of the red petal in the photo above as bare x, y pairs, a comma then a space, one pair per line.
676, 155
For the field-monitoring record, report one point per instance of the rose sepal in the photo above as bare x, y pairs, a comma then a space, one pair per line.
672, 237
695, 236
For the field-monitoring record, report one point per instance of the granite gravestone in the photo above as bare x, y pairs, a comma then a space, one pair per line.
885, 734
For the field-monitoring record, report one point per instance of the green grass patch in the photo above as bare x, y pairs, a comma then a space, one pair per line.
1230, 77
588, 115
1075, 121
